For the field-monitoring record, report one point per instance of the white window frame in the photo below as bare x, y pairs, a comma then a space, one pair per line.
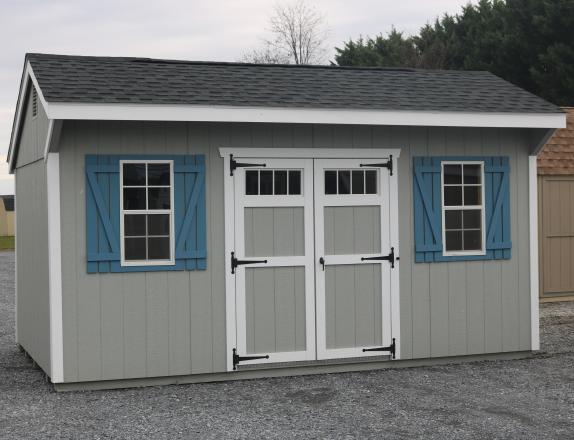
123, 212
444, 208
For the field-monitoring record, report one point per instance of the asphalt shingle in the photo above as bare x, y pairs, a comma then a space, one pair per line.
79, 79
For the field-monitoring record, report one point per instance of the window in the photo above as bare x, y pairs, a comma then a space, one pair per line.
463, 208
351, 181
146, 199
272, 182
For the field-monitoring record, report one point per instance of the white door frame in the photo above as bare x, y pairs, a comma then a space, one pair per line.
322, 200
243, 201
311, 153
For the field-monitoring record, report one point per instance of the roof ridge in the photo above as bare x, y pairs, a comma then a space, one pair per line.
242, 64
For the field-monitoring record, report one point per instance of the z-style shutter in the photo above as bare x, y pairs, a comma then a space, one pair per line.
190, 212
102, 213
427, 208
497, 207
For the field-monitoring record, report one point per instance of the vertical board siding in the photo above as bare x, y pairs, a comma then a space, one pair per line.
32, 276
147, 324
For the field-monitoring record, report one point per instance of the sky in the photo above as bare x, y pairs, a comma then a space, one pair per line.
218, 30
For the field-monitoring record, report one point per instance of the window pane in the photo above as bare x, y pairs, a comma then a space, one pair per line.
344, 182
472, 195
265, 182
158, 174
453, 219
472, 174
251, 183
158, 248
159, 198
158, 224
452, 196
371, 182
452, 174
134, 174
471, 219
358, 177
472, 240
453, 240
330, 182
135, 249
134, 224
280, 182
295, 182
134, 198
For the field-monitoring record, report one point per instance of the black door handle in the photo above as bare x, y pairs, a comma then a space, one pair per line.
322, 262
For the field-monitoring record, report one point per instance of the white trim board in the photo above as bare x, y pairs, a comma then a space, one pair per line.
534, 280
311, 153
55, 268
158, 112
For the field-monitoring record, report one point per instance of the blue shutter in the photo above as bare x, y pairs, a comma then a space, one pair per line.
103, 213
427, 209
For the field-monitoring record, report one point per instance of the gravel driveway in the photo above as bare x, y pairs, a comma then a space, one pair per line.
526, 399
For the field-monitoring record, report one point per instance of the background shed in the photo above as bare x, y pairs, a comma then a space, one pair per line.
556, 214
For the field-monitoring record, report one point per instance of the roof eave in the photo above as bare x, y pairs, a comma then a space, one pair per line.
160, 112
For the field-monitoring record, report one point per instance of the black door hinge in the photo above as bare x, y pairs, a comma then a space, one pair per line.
388, 164
237, 358
390, 258
235, 262
233, 165
390, 349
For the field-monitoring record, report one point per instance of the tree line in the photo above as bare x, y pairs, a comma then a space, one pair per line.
529, 43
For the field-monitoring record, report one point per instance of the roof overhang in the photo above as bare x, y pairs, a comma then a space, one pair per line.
155, 112
194, 113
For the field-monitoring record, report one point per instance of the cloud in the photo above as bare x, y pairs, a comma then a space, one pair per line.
198, 29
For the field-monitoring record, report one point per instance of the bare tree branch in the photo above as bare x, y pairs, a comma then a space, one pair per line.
298, 34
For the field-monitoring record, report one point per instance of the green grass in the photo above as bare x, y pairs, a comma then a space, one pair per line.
7, 243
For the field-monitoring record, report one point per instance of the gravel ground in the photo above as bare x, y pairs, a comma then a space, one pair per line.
527, 399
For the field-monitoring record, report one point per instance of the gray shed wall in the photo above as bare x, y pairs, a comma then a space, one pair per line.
173, 323
32, 280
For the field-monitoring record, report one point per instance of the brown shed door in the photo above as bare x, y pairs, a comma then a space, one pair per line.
556, 228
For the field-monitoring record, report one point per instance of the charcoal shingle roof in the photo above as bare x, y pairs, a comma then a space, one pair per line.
79, 79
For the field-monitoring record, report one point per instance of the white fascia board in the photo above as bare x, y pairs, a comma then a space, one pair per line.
145, 112
15, 138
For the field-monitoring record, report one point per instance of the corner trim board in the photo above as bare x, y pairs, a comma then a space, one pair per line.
534, 286
55, 268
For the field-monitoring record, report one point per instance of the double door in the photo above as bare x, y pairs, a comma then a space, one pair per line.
312, 259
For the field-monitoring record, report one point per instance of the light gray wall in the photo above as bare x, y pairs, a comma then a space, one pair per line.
32, 304
33, 135
33, 307
167, 323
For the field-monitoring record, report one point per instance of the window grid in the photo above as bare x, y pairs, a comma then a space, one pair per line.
463, 208
294, 184
146, 213
367, 187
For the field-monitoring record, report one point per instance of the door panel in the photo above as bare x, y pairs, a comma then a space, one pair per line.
353, 305
352, 230
274, 231
352, 294
274, 298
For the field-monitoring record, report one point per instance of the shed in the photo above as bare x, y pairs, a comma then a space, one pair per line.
200, 221
7, 215
556, 214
